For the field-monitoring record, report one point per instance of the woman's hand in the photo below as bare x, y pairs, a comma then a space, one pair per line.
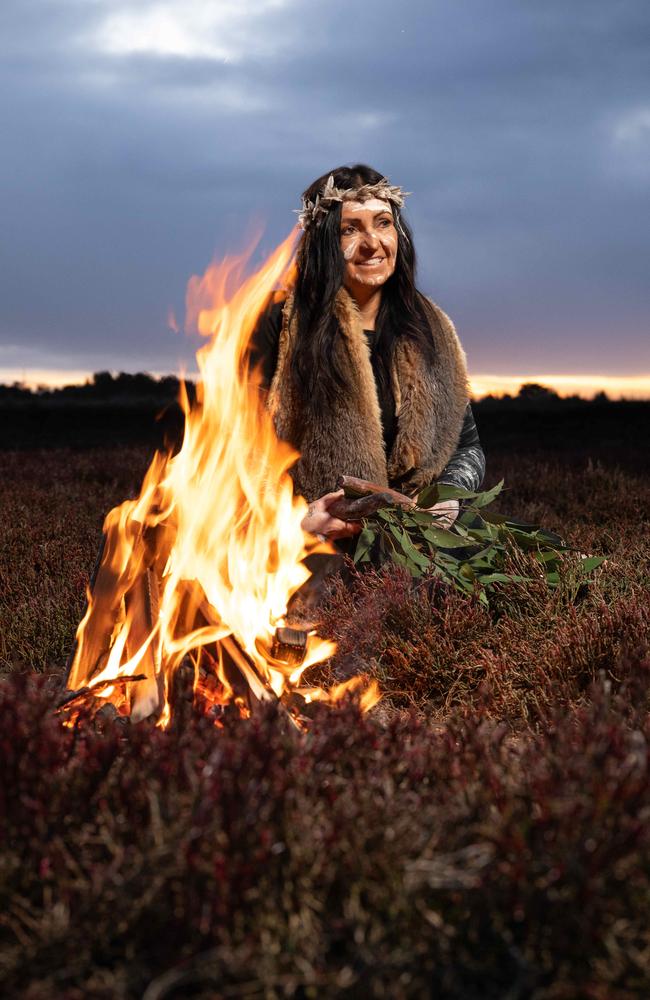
318, 520
446, 511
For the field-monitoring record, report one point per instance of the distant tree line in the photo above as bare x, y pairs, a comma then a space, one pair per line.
103, 387
535, 394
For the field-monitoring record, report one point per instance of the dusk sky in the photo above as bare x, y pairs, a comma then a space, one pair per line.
139, 140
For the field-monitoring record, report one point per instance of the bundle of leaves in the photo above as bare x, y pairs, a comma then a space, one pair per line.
473, 554
400, 861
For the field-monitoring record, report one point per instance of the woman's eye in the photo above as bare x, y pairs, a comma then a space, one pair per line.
385, 222
347, 231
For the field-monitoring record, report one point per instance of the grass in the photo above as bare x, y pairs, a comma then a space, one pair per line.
483, 834
52, 506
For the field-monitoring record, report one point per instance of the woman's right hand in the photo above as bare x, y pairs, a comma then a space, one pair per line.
318, 520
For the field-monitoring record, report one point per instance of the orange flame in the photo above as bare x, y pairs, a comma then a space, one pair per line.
212, 549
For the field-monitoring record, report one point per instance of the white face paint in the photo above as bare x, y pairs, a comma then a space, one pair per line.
373, 205
368, 242
389, 240
351, 248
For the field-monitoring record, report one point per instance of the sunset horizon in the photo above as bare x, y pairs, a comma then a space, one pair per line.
584, 385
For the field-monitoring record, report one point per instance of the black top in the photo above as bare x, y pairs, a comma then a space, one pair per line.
465, 468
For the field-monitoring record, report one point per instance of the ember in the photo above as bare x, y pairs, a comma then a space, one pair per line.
199, 569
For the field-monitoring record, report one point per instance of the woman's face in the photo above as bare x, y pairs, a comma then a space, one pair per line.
368, 243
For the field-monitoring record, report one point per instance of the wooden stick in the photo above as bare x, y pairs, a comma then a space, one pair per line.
356, 488
91, 689
356, 510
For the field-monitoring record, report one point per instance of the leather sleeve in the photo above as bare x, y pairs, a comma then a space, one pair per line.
466, 467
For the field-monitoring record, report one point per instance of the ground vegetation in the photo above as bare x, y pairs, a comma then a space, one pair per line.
483, 833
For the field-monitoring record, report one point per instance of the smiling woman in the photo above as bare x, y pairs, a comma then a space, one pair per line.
369, 245
364, 375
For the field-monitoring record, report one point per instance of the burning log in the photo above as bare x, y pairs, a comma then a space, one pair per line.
91, 694
181, 694
141, 604
290, 645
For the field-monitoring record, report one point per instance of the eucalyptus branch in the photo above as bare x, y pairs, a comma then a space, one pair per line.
472, 555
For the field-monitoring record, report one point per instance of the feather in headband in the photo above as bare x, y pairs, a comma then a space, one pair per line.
314, 211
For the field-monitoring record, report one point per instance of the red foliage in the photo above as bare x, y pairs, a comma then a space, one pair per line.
404, 860
482, 834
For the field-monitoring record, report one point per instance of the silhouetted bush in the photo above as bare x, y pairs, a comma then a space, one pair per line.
533, 392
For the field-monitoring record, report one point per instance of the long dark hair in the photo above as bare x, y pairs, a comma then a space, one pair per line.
320, 269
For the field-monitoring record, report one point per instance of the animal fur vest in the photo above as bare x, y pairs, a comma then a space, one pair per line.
346, 438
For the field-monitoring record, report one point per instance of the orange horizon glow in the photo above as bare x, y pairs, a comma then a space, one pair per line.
585, 385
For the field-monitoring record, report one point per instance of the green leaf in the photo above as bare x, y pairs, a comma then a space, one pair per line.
527, 542
503, 578
443, 491
546, 555
482, 534
590, 563
443, 538
469, 518
408, 548
421, 517
448, 492
428, 496
550, 538
445, 559
487, 552
365, 542
491, 517
483, 499
485, 563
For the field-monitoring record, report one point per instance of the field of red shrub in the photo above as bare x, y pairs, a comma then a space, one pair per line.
483, 833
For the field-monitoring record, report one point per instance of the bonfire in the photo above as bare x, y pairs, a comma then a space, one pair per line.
198, 571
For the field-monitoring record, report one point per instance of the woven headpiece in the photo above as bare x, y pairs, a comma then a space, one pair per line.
314, 211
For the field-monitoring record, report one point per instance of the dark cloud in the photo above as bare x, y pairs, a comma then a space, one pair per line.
522, 129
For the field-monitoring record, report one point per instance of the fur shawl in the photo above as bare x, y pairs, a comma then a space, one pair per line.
347, 439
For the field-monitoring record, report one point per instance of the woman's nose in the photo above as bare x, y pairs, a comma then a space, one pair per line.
371, 239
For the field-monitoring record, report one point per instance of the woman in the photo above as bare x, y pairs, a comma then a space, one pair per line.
365, 376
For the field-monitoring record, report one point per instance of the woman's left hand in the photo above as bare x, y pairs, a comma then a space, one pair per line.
446, 512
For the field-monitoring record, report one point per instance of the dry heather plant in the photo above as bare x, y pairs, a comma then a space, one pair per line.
484, 835
395, 860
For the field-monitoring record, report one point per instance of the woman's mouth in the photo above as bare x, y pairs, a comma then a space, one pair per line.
373, 262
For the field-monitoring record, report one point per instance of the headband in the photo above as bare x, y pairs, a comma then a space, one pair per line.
314, 211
